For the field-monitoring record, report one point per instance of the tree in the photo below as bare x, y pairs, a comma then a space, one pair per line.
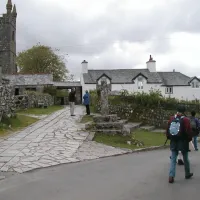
70, 77
42, 59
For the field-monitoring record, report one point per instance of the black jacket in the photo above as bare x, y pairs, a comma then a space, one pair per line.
72, 97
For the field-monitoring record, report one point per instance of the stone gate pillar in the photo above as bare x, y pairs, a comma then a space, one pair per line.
78, 95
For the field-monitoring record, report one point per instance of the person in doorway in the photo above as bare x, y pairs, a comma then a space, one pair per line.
72, 100
180, 134
195, 126
86, 101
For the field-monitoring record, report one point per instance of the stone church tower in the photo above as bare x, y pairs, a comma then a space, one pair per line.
8, 40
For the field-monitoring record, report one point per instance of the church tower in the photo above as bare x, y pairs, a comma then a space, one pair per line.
8, 39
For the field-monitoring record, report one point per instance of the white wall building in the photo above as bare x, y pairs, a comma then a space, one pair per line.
173, 84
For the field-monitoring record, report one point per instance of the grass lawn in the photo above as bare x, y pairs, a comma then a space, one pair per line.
86, 118
148, 138
17, 123
41, 111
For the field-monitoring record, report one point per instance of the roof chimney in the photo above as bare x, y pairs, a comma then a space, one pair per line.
151, 64
84, 67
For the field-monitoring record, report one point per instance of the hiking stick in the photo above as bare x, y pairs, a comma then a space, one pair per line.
166, 142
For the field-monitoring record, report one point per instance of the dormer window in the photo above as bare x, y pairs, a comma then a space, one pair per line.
195, 85
140, 83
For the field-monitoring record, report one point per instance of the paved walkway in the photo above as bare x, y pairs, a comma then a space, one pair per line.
54, 140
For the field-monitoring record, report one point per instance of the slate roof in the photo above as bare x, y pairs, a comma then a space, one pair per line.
121, 75
125, 76
30, 79
67, 84
174, 79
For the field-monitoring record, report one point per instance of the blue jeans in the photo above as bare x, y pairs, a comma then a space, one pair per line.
195, 142
172, 171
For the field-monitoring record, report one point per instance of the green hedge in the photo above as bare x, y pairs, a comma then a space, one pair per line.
151, 100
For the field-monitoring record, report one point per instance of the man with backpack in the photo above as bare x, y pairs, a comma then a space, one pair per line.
194, 122
179, 133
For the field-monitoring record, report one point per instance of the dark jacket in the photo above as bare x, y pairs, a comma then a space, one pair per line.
72, 96
186, 136
196, 132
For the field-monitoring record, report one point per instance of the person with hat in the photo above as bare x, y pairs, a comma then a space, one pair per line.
179, 133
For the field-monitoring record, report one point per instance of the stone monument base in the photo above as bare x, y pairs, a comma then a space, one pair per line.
112, 125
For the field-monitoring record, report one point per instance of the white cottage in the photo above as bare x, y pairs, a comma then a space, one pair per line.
173, 84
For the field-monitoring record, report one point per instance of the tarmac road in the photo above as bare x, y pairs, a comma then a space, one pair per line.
141, 176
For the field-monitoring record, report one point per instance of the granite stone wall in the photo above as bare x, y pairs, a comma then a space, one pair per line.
157, 117
7, 100
33, 99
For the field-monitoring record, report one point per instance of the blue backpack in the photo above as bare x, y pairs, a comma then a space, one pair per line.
175, 127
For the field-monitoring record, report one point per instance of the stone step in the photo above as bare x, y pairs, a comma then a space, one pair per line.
130, 127
108, 125
109, 131
147, 128
107, 118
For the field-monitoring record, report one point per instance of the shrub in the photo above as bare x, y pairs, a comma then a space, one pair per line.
151, 100
50, 90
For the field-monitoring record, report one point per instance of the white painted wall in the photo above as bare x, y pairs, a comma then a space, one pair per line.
183, 92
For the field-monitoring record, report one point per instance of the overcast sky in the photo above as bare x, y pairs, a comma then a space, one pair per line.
114, 33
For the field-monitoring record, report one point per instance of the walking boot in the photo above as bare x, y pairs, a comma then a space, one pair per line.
171, 179
189, 176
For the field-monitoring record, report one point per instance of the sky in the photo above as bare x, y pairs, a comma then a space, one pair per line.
113, 34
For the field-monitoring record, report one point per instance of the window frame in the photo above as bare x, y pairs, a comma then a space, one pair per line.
167, 90
195, 85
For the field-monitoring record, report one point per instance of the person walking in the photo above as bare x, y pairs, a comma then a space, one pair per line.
180, 134
72, 100
194, 122
86, 102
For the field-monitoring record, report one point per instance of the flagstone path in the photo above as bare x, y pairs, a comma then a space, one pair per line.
54, 140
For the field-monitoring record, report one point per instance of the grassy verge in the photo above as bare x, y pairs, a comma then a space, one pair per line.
148, 138
41, 111
86, 118
17, 123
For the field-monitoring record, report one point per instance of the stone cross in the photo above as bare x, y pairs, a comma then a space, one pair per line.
104, 97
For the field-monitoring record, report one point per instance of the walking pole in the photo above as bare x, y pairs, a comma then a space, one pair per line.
166, 142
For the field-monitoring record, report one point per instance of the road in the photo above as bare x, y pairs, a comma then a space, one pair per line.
142, 176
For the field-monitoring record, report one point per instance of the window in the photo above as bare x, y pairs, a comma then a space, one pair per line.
31, 89
195, 85
169, 90
140, 83
16, 91
13, 36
